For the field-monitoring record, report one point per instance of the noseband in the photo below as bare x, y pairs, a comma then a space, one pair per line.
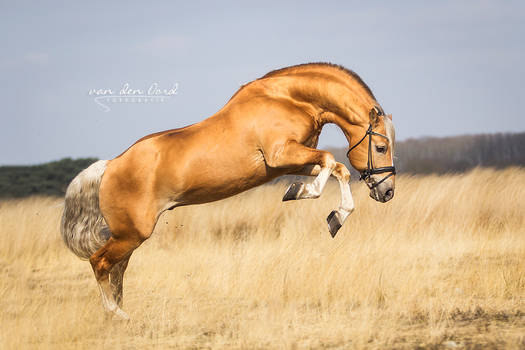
370, 170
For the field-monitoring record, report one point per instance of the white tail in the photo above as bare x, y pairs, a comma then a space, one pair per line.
83, 228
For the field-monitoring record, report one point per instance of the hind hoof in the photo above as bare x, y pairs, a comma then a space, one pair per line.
117, 315
294, 191
334, 223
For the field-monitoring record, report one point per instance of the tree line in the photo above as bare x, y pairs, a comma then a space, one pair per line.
440, 155
44, 179
415, 156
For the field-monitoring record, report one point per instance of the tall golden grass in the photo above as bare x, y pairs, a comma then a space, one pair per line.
441, 265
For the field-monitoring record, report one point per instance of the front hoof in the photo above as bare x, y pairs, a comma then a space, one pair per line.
294, 191
334, 222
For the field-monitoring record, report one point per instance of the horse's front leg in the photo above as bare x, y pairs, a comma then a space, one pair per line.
337, 217
318, 163
299, 190
293, 155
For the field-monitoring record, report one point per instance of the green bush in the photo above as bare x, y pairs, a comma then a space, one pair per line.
43, 179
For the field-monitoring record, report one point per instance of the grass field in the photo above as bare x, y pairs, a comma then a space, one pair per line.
440, 266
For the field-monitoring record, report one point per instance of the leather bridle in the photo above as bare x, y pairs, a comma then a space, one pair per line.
370, 170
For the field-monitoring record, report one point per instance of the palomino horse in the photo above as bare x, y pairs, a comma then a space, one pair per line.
269, 128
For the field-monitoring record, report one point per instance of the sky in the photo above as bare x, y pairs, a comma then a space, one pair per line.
440, 68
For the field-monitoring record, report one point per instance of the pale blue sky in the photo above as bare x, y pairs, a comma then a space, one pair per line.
441, 68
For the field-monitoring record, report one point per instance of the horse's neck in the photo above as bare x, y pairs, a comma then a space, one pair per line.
341, 102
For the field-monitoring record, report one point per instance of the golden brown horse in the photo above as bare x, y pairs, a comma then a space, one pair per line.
270, 127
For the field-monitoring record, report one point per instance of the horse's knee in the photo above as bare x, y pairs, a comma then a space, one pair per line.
327, 160
341, 172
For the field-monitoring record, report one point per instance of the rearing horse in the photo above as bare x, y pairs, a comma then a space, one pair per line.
270, 127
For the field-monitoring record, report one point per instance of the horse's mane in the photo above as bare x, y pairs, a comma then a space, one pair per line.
283, 71
349, 72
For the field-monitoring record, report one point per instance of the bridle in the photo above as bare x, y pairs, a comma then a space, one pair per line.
370, 170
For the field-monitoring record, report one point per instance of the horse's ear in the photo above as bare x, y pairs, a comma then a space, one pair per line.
389, 116
374, 116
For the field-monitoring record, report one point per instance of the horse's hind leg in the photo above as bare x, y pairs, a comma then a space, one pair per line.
116, 278
115, 251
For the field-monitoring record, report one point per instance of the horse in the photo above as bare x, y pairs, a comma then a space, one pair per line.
270, 127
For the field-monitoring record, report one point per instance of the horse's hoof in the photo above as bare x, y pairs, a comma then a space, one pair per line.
334, 222
120, 315
294, 191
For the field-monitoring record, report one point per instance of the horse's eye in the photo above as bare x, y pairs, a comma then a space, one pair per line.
381, 149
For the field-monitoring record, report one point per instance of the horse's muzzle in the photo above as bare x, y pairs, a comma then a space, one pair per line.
382, 193
389, 194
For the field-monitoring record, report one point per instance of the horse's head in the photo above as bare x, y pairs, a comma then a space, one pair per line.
373, 155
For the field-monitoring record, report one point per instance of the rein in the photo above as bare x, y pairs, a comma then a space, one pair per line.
370, 170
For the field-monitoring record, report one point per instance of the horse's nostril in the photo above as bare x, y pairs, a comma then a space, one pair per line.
389, 194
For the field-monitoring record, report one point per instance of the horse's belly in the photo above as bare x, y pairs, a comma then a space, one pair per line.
213, 182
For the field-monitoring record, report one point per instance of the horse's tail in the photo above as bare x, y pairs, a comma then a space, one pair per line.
83, 228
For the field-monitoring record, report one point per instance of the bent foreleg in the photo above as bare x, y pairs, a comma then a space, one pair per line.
295, 155
337, 217
320, 164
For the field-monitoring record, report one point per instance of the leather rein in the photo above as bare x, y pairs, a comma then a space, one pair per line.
370, 170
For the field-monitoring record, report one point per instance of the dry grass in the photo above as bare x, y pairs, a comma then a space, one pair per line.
442, 265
